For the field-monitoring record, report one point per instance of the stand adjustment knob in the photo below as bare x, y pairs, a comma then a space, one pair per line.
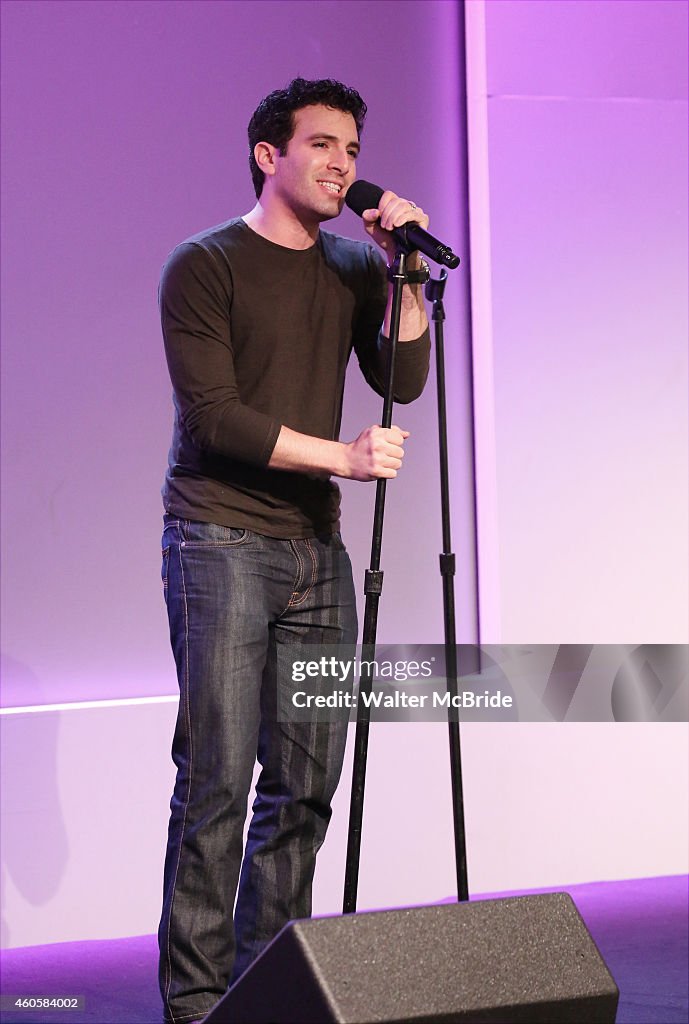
447, 565
373, 583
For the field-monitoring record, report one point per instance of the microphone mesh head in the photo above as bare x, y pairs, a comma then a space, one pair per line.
362, 195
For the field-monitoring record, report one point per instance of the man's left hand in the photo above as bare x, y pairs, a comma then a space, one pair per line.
392, 212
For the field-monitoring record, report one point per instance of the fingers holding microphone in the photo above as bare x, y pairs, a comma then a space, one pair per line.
408, 222
395, 211
392, 212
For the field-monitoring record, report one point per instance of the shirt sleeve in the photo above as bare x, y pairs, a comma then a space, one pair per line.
373, 348
195, 299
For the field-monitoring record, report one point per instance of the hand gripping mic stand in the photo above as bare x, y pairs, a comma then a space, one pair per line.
373, 587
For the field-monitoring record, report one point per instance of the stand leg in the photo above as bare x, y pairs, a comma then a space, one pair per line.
434, 291
373, 587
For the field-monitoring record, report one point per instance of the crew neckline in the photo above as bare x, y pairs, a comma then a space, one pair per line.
281, 248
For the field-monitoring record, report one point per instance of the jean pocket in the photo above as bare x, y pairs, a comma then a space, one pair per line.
211, 535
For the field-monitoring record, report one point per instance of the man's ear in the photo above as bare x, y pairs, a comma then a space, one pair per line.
264, 155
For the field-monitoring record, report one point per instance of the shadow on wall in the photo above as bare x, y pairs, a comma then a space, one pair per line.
33, 845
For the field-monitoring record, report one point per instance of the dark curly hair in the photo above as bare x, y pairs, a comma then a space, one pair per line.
273, 120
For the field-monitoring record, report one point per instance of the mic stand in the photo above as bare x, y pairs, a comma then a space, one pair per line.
372, 588
434, 293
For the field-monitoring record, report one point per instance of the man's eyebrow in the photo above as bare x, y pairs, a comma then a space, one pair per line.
333, 138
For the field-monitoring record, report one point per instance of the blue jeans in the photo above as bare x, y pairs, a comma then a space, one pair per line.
232, 598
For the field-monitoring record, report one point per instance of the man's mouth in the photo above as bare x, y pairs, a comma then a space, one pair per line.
331, 186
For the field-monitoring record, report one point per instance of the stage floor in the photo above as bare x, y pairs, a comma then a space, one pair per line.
640, 927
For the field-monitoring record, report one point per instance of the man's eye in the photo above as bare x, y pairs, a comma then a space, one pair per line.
353, 153
320, 144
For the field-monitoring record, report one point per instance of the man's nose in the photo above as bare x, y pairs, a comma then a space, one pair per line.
341, 161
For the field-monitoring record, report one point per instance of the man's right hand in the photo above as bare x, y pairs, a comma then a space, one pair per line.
376, 454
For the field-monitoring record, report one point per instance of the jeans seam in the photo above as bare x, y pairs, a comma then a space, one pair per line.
166, 563
185, 697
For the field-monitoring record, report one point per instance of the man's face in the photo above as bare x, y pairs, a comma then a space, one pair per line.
319, 165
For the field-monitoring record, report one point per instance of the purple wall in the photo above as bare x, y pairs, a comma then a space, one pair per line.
587, 150
123, 133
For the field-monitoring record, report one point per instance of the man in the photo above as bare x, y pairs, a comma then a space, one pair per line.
259, 318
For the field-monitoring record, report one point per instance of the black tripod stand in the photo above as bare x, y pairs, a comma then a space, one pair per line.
373, 588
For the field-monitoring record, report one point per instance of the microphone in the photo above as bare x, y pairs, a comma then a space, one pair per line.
362, 195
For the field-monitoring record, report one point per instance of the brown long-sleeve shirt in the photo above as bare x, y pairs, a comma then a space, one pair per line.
256, 336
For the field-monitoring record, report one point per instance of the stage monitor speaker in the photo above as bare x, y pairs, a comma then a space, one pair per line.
525, 958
